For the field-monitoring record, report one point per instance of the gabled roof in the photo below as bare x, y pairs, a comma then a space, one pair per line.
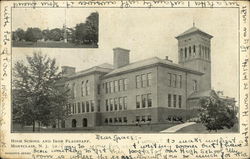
193, 30
104, 68
147, 63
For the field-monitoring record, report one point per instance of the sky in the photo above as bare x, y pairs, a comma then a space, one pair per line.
146, 33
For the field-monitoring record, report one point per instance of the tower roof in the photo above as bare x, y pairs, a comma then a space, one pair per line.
192, 31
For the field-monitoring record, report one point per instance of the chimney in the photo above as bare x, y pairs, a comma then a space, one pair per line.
67, 70
121, 57
166, 58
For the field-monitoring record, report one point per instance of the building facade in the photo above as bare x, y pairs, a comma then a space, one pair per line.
153, 90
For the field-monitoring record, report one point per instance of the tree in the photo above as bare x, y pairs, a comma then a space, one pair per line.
33, 34
19, 34
87, 33
46, 34
215, 114
80, 33
36, 96
56, 34
92, 24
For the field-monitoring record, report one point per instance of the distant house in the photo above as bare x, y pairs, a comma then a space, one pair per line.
153, 90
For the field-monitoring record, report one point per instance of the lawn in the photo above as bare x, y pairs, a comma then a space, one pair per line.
50, 44
153, 128
199, 128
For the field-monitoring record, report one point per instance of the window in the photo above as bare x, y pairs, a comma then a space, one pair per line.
190, 52
180, 81
79, 107
199, 50
137, 118
73, 93
149, 79
194, 48
143, 119
138, 81
149, 97
144, 81
174, 99
82, 89
73, 108
110, 120
116, 86
138, 101
83, 107
125, 119
108, 87
169, 100
106, 121
69, 109
194, 85
87, 106
149, 118
92, 106
169, 79
111, 104
125, 84
111, 87
174, 80
98, 89
185, 52
116, 103
99, 105
120, 119
125, 103
120, 103
87, 87
120, 85
107, 104
144, 100
115, 120
180, 100
181, 54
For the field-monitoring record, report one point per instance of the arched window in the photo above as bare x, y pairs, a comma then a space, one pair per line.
82, 89
87, 87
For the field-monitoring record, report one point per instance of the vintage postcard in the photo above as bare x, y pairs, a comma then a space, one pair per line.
124, 79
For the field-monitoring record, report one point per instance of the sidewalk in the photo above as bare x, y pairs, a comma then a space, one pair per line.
177, 127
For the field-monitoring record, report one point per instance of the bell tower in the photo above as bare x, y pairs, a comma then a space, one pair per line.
194, 52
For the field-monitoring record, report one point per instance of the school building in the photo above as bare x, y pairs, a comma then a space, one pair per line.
153, 90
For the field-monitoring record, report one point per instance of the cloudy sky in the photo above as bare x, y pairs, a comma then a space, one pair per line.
146, 32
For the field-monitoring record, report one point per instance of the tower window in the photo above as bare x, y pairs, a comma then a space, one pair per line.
194, 48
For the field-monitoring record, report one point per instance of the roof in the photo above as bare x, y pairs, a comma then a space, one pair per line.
200, 94
105, 68
193, 30
150, 62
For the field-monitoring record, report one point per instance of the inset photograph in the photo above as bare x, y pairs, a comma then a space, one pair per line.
55, 28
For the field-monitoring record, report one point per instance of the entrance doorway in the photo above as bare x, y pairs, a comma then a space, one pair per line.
73, 123
84, 122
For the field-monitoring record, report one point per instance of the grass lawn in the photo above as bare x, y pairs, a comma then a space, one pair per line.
199, 128
50, 44
106, 129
